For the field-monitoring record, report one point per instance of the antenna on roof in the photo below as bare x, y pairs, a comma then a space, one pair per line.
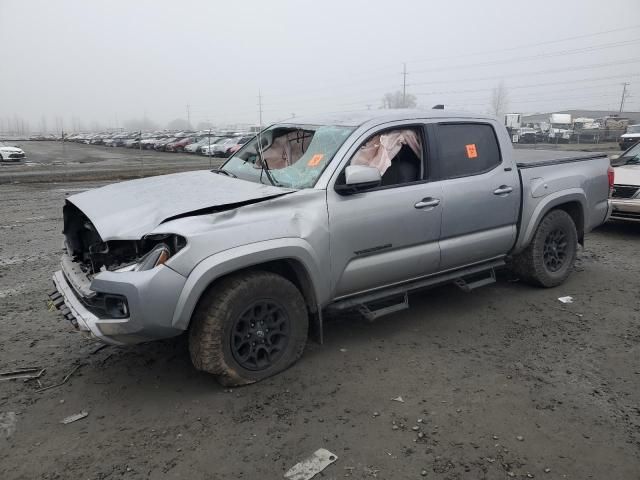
439, 106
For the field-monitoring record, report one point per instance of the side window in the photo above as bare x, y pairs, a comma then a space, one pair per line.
396, 153
467, 149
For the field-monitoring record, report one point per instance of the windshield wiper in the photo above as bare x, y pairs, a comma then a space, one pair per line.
264, 168
224, 172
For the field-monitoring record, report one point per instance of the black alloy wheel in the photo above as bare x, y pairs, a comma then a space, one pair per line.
260, 335
555, 250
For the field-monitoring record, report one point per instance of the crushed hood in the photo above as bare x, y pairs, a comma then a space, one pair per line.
627, 175
129, 210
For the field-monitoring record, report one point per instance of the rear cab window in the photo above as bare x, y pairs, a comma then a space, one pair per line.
466, 149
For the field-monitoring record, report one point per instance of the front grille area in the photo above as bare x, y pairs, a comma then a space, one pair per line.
620, 215
16, 155
624, 191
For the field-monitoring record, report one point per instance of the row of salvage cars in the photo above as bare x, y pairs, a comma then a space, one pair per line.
203, 143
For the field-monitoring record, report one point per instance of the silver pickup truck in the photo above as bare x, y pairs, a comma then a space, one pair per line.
320, 215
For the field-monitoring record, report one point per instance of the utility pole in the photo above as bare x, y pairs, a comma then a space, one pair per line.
624, 95
404, 85
260, 108
189, 115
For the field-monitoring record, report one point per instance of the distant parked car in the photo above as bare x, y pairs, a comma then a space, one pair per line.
149, 143
11, 154
630, 138
204, 142
527, 135
160, 145
235, 146
218, 149
178, 145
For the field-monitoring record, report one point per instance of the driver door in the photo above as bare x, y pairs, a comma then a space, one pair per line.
388, 234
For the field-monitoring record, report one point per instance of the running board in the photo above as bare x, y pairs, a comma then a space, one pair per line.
468, 283
375, 310
467, 278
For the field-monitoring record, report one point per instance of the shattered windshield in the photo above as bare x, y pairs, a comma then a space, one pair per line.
295, 155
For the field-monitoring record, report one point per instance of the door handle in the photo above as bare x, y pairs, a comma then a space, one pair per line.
428, 202
503, 190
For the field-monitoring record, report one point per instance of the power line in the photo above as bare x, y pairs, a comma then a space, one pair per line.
522, 58
531, 45
369, 77
511, 87
537, 72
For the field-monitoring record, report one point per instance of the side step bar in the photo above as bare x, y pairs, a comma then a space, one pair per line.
375, 304
373, 311
472, 282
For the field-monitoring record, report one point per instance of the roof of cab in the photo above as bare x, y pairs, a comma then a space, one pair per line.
358, 118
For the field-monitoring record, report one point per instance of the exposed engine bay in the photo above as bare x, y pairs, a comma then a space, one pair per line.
84, 245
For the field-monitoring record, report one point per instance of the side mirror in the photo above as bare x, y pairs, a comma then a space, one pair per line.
359, 178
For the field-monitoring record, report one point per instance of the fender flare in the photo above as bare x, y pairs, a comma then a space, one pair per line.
548, 203
246, 256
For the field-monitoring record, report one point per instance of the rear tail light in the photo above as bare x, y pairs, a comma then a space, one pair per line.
611, 175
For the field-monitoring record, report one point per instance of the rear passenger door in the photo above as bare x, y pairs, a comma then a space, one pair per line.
481, 194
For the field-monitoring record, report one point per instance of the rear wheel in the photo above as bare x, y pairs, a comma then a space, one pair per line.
549, 258
248, 327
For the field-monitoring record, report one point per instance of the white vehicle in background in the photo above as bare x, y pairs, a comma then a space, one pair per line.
203, 142
217, 149
561, 127
11, 154
630, 138
625, 195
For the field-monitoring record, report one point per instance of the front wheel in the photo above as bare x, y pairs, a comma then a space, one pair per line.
247, 327
549, 258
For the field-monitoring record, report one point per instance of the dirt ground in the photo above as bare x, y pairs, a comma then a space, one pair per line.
504, 382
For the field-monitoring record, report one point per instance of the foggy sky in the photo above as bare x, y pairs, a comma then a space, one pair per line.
110, 61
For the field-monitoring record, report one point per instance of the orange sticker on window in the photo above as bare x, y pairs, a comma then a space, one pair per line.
471, 150
315, 160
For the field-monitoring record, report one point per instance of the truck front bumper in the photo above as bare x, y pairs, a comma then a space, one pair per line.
628, 210
151, 297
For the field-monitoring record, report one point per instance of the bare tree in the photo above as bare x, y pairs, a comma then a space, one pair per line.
499, 100
395, 100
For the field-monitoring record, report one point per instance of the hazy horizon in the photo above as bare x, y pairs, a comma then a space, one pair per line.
85, 64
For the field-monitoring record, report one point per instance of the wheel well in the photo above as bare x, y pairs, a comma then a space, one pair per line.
293, 271
288, 268
574, 209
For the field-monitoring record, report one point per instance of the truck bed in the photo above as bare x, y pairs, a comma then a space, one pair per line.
529, 158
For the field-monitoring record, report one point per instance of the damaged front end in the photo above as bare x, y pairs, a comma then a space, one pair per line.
102, 284
85, 247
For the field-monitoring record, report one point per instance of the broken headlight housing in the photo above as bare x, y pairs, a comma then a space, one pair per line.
158, 256
166, 245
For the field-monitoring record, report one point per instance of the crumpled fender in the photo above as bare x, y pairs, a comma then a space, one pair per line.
234, 259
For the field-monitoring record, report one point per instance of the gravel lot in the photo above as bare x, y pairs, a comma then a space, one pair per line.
504, 382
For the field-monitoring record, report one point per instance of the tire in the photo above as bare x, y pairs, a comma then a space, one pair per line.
222, 335
549, 258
